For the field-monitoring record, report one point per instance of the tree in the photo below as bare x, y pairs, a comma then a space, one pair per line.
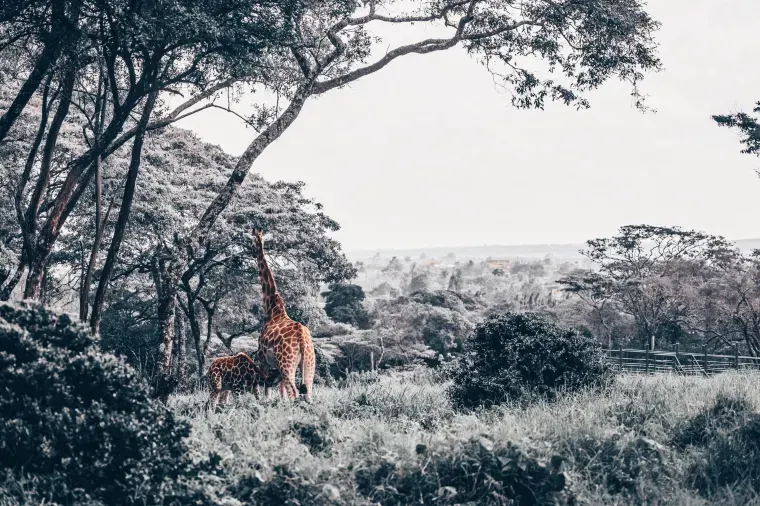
99, 61
524, 357
583, 44
219, 292
420, 282
455, 282
343, 304
730, 303
597, 292
747, 125
439, 320
648, 273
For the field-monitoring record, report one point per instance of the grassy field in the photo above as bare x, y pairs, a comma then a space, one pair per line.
396, 440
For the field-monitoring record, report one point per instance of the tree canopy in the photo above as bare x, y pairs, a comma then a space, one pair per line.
101, 73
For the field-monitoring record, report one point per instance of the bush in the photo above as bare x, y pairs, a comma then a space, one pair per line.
80, 425
523, 357
635, 467
727, 413
731, 458
286, 487
479, 472
728, 433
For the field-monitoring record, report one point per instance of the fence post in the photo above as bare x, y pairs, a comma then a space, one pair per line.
736, 356
678, 359
620, 358
704, 359
647, 362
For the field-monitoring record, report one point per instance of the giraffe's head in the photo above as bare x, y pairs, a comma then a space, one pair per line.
258, 235
266, 367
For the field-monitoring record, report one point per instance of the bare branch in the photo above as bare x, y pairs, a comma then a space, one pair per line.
175, 115
421, 47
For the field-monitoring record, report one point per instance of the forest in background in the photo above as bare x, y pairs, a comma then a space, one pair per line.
679, 286
498, 392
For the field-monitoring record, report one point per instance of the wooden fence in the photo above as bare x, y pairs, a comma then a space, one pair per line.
679, 362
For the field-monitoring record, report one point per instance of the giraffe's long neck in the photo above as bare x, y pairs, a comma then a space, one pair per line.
273, 304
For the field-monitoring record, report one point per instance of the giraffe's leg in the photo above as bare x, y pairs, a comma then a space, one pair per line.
267, 391
257, 392
289, 382
308, 365
214, 400
225, 397
287, 365
215, 384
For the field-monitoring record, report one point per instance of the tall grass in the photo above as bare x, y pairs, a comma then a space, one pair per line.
620, 446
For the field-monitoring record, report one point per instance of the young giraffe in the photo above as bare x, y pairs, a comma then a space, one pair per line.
283, 341
236, 373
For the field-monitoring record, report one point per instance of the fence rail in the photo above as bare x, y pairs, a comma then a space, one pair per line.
679, 362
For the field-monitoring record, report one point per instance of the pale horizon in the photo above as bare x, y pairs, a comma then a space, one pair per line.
428, 153
445, 247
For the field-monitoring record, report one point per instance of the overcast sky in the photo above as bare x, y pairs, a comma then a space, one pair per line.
428, 152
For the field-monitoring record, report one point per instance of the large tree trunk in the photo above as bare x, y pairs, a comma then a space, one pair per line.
195, 329
10, 285
36, 275
38, 257
84, 295
181, 354
84, 292
50, 53
166, 277
167, 307
77, 179
243, 166
121, 222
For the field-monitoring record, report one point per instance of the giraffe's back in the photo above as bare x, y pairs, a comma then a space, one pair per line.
283, 335
231, 373
289, 342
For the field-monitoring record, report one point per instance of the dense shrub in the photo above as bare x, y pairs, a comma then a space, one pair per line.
635, 467
316, 436
731, 458
728, 435
522, 357
286, 487
727, 412
80, 425
479, 472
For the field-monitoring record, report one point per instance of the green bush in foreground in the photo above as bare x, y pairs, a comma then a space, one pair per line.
479, 472
728, 433
523, 357
78, 426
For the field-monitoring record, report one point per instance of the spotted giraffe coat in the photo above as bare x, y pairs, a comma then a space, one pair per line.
284, 344
236, 373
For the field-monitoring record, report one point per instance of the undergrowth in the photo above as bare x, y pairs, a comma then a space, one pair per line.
396, 440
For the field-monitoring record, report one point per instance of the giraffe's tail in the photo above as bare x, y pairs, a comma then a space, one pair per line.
308, 363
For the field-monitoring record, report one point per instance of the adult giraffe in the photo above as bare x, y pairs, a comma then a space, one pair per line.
283, 342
